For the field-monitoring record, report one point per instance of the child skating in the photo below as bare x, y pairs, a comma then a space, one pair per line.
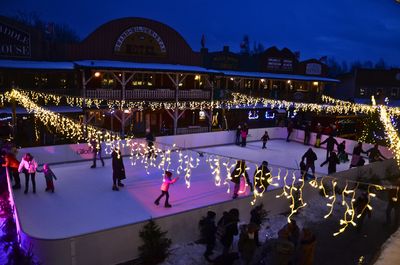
165, 187
49, 176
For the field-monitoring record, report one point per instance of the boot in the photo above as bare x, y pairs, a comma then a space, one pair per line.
167, 205
93, 166
115, 188
157, 203
120, 184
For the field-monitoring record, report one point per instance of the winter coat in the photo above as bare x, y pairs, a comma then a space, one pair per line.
256, 217
310, 157
118, 165
150, 139
208, 230
11, 162
28, 166
261, 177
374, 154
231, 230
333, 160
307, 250
166, 182
247, 245
330, 143
48, 174
358, 150
237, 173
243, 133
265, 137
283, 251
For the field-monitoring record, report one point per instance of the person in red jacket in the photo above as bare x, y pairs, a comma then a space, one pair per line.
165, 187
11, 162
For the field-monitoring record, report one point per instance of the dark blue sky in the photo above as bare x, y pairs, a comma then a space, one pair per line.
345, 29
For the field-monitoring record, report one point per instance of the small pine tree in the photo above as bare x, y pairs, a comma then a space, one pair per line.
155, 244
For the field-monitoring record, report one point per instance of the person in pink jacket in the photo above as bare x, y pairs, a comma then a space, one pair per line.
165, 187
28, 165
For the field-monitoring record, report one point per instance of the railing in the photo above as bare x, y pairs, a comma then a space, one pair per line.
156, 94
194, 129
104, 94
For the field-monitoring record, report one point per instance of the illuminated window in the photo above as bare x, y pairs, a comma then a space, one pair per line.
363, 91
394, 92
63, 83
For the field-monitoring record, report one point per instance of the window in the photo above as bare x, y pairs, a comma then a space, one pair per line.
395, 92
363, 91
63, 83
107, 81
140, 80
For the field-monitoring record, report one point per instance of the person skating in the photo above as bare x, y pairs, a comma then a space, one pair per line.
150, 144
238, 134
236, 175
244, 133
319, 135
289, 130
118, 169
343, 157
356, 159
261, 177
374, 154
96, 149
333, 160
28, 165
310, 158
264, 139
49, 176
168, 180
330, 145
208, 230
11, 162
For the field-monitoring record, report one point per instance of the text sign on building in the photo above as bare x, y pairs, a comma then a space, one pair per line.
277, 64
313, 69
140, 40
14, 42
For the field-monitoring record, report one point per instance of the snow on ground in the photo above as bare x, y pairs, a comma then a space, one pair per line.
84, 202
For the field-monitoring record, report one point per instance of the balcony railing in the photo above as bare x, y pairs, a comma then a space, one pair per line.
191, 129
146, 94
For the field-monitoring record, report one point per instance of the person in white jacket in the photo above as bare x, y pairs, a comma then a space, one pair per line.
28, 165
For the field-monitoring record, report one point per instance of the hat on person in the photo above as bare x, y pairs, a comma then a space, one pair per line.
168, 173
211, 214
265, 163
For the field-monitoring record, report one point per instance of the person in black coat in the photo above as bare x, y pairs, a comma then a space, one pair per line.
237, 173
343, 158
374, 154
118, 169
230, 224
208, 230
310, 158
356, 159
333, 160
330, 145
150, 144
238, 134
261, 177
307, 132
264, 139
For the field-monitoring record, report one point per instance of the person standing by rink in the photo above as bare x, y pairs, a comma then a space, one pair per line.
236, 175
11, 162
118, 169
264, 139
96, 149
164, 189
307, 132
310, 158
28, 165
343, 158
289, 130
238, 133
49, 176
319, 134
244, 132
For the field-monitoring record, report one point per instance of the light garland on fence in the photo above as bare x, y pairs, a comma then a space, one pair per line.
391, 132
350, 211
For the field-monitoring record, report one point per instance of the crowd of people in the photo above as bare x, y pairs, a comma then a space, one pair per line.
291, 246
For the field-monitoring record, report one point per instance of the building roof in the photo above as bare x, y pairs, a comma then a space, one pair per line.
100, 64
45, 65
57, 109
278, 76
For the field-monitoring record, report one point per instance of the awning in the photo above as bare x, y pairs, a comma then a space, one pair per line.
36, 65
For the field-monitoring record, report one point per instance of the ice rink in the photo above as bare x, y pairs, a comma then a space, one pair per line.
84, 202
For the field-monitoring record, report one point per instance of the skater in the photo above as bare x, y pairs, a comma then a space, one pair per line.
307, 132
243, 133
238, 134
164, 189
343, 157
330, 145
261, 177
333, 160
150, 144
96, 149
28, 165
240, 169
11, 162
356, 159
49, 176
289, 130
318, 136
208, 230
310, 158
118, 169
374, 154
264, 139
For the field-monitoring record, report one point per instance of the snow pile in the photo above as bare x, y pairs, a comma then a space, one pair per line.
390, 251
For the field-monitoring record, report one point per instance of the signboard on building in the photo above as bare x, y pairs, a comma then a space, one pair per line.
14, 42
276, 64
313, 69
140, 41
